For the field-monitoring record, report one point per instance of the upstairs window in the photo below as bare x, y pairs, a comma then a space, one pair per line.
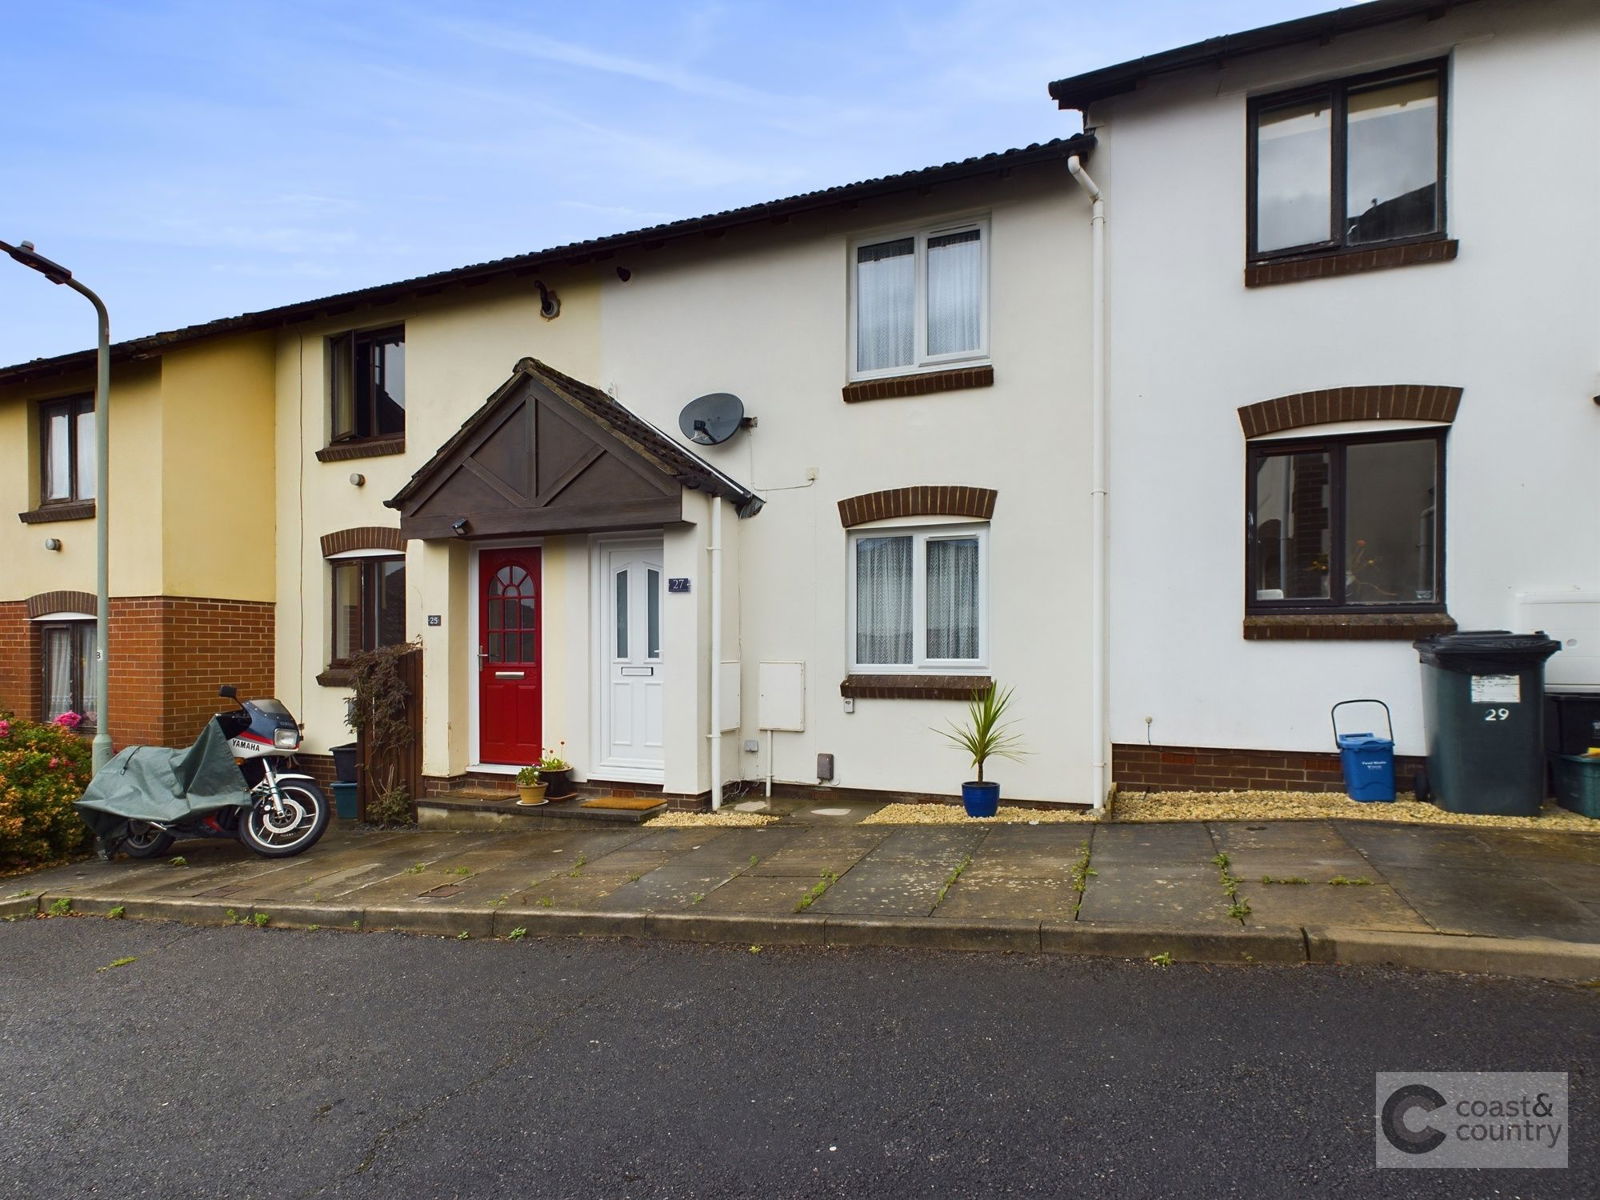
369, 384
918, 598
1349, 164
920, 300
1350, 523
66, 450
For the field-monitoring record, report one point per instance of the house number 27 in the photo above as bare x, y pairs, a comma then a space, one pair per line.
1497, 714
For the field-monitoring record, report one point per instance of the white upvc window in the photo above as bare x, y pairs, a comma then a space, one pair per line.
919, 299
919, 599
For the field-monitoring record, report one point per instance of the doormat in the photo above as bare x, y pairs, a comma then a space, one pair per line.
632, 803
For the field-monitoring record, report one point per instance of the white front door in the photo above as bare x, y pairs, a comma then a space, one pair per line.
631, 661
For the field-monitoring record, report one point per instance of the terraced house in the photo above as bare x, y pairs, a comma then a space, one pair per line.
1354, 356
511, 465
1184, 427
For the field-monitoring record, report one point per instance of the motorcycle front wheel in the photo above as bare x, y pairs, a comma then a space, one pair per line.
304, 817
144, 840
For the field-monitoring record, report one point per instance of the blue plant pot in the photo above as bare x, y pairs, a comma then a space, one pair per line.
980, 799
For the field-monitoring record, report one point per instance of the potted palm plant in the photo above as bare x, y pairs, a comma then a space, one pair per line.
984, 734
530, 788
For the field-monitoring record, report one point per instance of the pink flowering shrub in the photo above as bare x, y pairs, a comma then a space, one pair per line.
68, 720
43, 769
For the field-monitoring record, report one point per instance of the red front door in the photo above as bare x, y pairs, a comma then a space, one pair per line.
509, 705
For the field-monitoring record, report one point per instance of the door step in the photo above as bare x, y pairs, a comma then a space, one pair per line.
487, 808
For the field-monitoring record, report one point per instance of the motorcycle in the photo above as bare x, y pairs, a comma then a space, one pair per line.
228, 784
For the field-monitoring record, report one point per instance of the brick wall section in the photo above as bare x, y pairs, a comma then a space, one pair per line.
933, 501
1335, 627
19, 672
1138, 768
169, 654
1349, 262
921, 384
1390, 401
363, 537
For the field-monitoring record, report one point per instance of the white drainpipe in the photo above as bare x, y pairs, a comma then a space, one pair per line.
714, 736
1101, 633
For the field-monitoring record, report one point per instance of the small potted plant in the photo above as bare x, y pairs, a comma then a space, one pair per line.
555, 773
984, 734
530, 787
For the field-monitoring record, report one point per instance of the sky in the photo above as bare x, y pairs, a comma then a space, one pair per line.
195, 159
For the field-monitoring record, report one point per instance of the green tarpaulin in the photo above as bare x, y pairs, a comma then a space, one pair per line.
151, 783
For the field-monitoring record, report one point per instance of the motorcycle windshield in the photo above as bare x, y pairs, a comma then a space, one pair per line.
151, 783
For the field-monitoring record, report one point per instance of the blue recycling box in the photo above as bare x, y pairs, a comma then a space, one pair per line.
1368, 763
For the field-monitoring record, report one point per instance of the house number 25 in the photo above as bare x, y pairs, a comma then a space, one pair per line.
1497, 714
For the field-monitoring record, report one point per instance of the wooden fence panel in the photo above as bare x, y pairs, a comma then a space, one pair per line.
410, 668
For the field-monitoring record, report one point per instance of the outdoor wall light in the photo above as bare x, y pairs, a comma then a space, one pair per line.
460, 528
624, 274
357, 479
52, 543
549, 302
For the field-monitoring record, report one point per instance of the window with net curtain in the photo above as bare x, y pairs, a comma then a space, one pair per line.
918, 598
67, 648
919, 299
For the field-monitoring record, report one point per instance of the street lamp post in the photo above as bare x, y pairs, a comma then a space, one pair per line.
56, 273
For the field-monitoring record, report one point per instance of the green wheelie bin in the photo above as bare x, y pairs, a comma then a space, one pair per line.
1483, 708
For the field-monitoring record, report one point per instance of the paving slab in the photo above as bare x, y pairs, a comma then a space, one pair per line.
670, 887
994, 896
1498, 905
1377, 906
748, 893
815, 853
1420, 846
1151, 844
879, 889
927, 844
588, 890
1181, 896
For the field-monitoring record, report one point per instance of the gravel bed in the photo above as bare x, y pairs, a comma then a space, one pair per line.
716, 820
1322, 806
954, 814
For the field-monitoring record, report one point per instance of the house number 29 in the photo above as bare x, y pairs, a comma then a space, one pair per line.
1497, 714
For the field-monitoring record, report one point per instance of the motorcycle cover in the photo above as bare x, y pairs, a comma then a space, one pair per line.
152, 783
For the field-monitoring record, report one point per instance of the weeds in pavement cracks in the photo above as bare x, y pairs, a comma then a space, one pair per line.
61, 907
118, 962
954, 875
1284, 879
1239, 907
1080, 875
177, 860
1341, 881
517, 934
1164, 959
814, 892
117, 913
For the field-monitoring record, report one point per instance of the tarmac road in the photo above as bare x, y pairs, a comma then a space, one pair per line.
240, 1062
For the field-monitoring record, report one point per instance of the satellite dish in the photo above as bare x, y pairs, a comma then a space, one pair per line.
712, 419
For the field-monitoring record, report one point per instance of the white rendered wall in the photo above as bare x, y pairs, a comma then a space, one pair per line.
763, 315
1514, 321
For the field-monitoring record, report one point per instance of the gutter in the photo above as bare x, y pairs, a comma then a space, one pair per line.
1099, 782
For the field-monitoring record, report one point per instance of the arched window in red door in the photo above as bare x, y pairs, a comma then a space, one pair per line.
512, 617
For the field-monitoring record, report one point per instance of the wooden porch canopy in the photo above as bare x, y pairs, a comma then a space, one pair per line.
547, 454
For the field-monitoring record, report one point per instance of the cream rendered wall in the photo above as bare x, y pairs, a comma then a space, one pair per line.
764, 315
137, 487
217, 446
460, 346
1515, 321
